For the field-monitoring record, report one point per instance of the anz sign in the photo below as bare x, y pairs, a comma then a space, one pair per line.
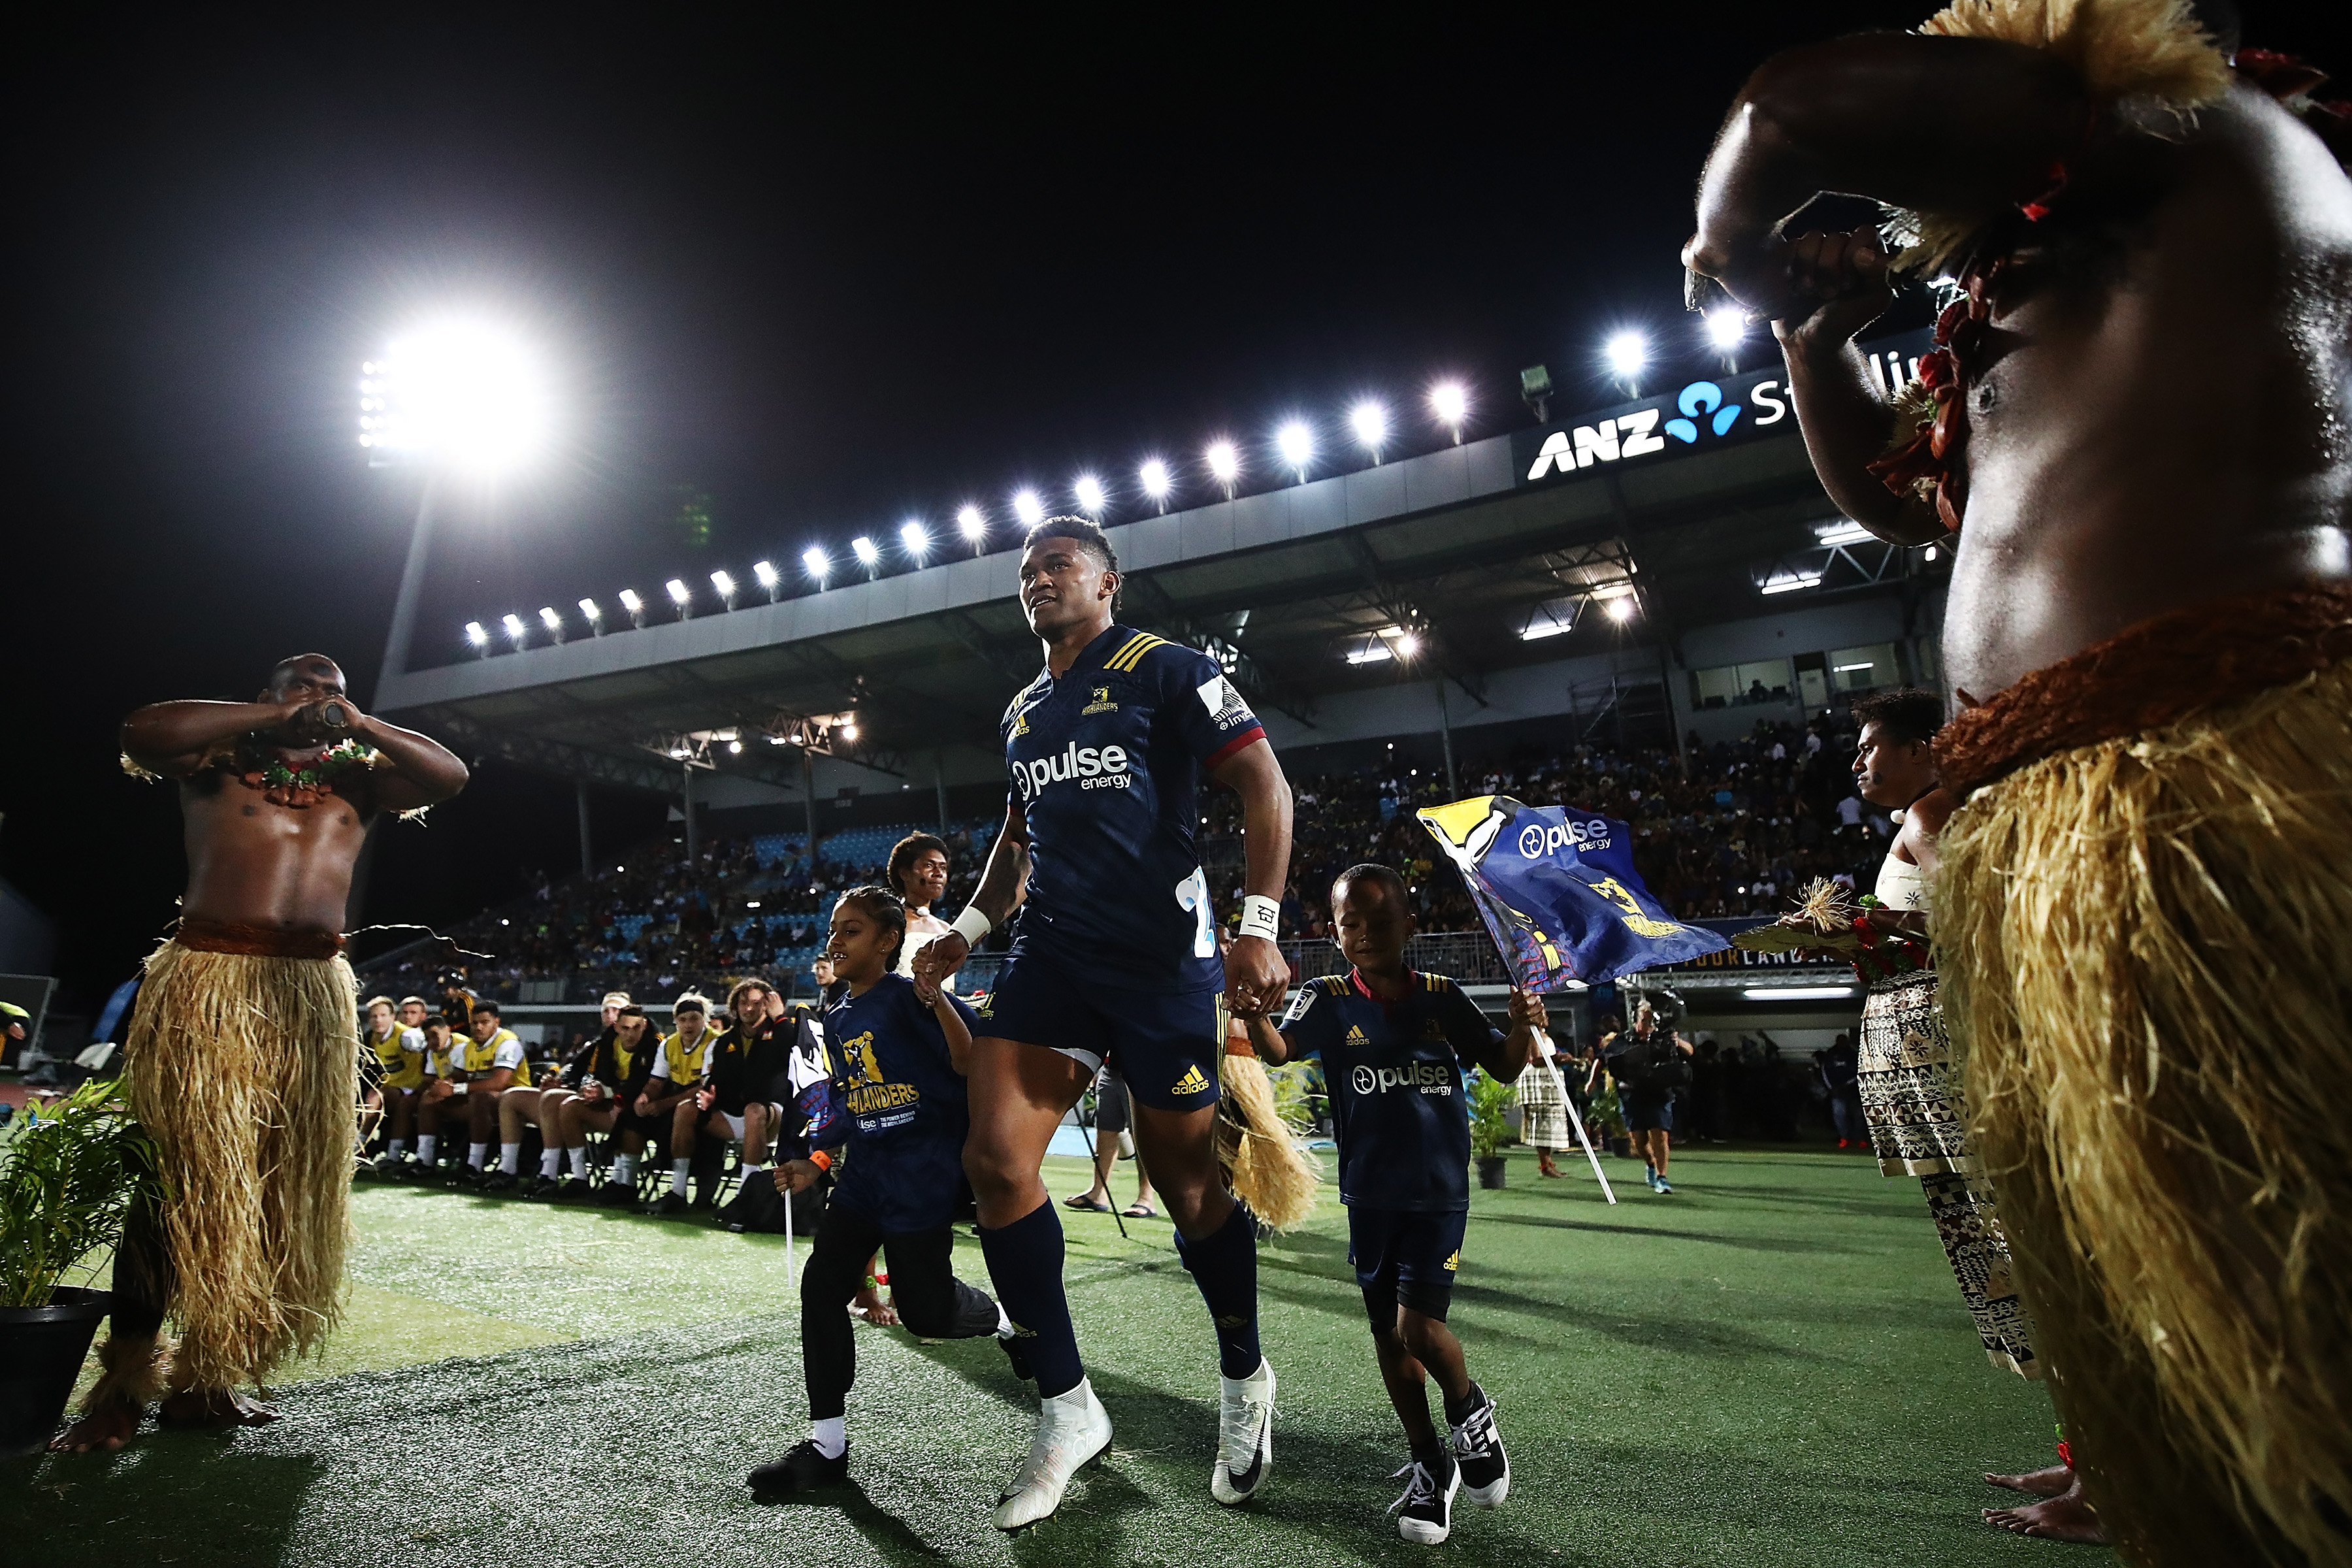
1701, 414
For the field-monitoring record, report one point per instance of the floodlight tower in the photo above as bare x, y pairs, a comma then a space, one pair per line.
457, 397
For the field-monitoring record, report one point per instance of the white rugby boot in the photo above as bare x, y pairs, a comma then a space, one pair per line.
1072, 1428
1245, 1435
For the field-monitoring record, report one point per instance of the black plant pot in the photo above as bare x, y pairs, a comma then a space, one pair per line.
1490, 1172
41, 1352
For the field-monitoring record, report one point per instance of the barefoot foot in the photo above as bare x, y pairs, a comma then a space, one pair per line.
2052, 1482
106, 1428
870, 1306
215, 1410
2066, 1517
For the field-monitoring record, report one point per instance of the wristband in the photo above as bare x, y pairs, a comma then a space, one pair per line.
1261, 915
821, 1160
971, 925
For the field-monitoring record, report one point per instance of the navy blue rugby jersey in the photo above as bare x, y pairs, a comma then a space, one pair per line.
1395, 1073
1106, 763
907, 1111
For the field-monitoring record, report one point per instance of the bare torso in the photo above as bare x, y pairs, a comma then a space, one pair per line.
256, 863
2176, 427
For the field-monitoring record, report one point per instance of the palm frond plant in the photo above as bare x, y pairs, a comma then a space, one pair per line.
67, 1177
1489, 1098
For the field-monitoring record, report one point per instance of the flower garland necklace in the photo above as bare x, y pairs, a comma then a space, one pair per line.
307, 784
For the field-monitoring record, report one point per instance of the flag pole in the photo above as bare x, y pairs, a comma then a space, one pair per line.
1569, 1107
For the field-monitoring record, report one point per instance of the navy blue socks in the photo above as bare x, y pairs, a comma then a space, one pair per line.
1024, 1261
1225, 1266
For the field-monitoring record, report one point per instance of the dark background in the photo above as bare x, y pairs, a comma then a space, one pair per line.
800, 282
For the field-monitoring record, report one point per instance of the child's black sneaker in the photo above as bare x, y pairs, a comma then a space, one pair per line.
802, 1469
1425, 1512
1478, 1455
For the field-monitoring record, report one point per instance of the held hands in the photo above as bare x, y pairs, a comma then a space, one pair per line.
795, 1176
1257, 978
935, 961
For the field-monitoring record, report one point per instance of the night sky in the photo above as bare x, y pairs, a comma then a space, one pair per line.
800, 282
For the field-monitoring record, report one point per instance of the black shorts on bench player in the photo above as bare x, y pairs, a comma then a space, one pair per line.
904, 1120
1117, 960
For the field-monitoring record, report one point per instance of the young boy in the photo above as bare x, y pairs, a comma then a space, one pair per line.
1394, 1045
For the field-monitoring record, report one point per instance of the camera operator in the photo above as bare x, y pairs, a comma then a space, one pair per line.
1649, 1064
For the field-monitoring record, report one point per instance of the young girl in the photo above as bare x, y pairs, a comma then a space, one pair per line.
901, 1065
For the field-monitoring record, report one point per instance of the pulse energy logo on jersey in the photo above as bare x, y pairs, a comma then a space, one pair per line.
1094, 767
1420, 1078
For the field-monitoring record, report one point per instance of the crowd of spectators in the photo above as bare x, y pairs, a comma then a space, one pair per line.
1738, 833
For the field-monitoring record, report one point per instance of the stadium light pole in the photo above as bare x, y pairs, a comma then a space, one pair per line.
454, 396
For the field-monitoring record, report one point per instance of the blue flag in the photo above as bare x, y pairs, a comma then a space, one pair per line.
1556, 888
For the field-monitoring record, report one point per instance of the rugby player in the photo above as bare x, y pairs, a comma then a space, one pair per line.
542, 1107
605, 1080
392, 1062
917, 873
726, 1093
1394, 1046
479, 1066
904, 1061
1117, 960
668, 1097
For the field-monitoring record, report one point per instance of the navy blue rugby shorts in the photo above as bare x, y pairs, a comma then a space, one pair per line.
1163, 1043
1406, 1257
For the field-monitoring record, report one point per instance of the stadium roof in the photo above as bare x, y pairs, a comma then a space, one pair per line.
1688, 502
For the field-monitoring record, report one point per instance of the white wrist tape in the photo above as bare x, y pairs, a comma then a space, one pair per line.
1261, 915
971, 925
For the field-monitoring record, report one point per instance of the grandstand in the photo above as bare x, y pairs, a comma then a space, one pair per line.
1665, 629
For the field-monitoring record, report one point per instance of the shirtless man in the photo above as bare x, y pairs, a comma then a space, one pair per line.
2139, 432
244, 1043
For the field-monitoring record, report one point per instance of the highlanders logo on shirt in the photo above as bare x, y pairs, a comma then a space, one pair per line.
1102, 703
867, 1091
1226, 709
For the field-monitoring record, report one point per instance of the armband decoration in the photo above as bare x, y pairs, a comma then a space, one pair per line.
972, 924
821, 1160
1261, 915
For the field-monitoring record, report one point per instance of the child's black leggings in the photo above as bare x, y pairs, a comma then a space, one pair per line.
931, 1301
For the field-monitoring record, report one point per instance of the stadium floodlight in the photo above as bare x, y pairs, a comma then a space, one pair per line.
1621, 608
1727, 326
1372, 652
1929, 553
974, 527
1295, 442
765, 571
734, 748
1225, 463
551, 621
1090, 495
1626, 353
848, 729
592, 615
682, 596
1028, 509
1796, 993
1790, 583
1451, 404
635, 606
1153, 476
479, 638
1408, 643
914, 539
462, 395
1371, 423
725, 583
515, 631
869, 553
818, 562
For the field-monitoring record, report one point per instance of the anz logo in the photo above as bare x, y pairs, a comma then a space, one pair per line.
1701, 408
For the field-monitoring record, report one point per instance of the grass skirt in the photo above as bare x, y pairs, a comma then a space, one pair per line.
1912, 1099
1543, 1122
243, 1070
2146, 945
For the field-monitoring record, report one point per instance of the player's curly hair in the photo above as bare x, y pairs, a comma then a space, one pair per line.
903, 853
1905, 714
884, 907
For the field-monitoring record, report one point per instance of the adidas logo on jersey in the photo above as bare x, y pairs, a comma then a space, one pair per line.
1356, 1037
1454, 1262
1191, 1082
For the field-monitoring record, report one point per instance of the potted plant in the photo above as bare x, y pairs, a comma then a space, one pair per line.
66, 1176
1489, 1098
1609, 1114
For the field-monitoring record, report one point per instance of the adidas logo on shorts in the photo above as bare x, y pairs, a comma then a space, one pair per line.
1191, 1082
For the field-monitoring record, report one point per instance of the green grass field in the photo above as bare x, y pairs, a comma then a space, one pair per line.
1772, 1366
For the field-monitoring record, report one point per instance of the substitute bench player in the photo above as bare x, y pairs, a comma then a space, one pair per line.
1117, 960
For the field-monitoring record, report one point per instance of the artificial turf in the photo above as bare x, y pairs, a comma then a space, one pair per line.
1769, 1366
